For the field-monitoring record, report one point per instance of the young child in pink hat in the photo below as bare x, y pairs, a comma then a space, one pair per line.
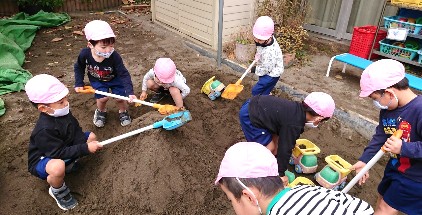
165, 79
277, 123
400, 189
57, 140
106, 71
249, 177
268, 55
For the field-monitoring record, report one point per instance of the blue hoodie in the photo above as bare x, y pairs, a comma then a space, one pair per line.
409, 119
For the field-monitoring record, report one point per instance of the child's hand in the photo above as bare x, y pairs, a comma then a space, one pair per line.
131, 98
77, 89
143, 95
358, 167
94, 146
393, 144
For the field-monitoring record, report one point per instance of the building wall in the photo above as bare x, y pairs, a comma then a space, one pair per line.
198, 19
237, 16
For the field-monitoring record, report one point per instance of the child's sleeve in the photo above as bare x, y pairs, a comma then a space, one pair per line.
123, 74
79, 69
52, 146
286, 141
180, 82
148, 76
377, 141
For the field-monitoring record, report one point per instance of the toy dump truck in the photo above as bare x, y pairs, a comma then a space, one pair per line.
334, 175
303, 156
301, 181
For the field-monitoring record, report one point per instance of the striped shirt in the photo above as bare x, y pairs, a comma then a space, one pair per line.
305, 199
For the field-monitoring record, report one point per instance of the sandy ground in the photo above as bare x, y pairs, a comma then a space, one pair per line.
159, 171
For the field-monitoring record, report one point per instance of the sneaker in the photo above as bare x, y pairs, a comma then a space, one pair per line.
99, 118
64, 199
124, 118
159, 95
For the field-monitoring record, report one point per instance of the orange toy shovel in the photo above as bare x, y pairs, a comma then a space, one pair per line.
163, 109
232, 90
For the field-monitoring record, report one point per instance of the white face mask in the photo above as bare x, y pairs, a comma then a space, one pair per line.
379, 106
382, 107
250, 191
60, 112
104, 54
310, 124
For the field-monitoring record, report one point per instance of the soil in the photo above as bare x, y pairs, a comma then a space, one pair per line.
160, 171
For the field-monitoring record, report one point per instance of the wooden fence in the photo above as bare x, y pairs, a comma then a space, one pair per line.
9, 7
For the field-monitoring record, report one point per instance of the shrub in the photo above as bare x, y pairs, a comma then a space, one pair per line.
289, 17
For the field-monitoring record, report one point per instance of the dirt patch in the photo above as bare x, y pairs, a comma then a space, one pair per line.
159, 171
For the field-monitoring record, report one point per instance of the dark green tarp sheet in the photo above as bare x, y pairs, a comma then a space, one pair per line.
16, 36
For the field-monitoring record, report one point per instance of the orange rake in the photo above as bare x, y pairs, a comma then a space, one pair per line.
163, 109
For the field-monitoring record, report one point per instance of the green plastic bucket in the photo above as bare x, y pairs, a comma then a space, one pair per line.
309, 160
329, 174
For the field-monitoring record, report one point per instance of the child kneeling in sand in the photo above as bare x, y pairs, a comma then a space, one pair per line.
249, 177
57, 140
165, 79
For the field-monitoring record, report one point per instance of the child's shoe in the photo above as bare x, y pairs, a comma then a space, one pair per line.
159, 95
64, 199
99, 118
124, 118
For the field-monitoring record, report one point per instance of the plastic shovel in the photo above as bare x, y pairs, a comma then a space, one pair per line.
163, 109
370, 163
232, 90
170, 122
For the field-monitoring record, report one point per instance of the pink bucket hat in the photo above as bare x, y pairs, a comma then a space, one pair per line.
45, 89
263, 28
322, 103
165, 70
98, 30
380, 75
247, 160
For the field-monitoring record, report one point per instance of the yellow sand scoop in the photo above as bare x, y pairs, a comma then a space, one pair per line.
232, 90
163, 109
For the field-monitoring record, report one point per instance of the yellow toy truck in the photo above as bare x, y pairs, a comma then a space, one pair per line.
303, 156
334, 175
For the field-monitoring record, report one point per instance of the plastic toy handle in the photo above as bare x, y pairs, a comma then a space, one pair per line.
370, 163
86, 90
246, 72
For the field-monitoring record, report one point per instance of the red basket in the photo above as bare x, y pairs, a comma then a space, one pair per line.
362, 39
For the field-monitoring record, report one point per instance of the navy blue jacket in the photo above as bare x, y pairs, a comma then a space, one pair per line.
107, 70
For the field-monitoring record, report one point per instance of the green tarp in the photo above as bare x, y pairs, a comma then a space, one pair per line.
16, 36
2, 108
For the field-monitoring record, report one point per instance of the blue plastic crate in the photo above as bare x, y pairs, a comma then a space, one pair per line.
393, 21
387, 48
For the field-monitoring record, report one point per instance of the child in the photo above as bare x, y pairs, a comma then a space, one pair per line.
268, 53
105, 71
276, 122
248, 175
164, 78
400, 189
57, 140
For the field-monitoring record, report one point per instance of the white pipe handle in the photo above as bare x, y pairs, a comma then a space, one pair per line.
123, 97
105, 142
247, 70
365, 169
